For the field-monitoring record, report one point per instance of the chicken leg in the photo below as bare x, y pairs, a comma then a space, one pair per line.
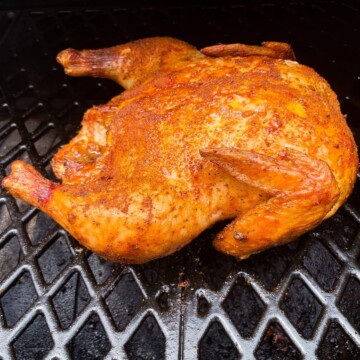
128, 64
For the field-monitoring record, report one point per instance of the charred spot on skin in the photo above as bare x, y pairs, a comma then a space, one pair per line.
240, 237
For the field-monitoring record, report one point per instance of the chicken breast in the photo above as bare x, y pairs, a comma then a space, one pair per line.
229, 132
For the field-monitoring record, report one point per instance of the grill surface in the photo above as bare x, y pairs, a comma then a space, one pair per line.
60, 301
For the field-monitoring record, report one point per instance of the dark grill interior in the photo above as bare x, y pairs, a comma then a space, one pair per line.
59, 301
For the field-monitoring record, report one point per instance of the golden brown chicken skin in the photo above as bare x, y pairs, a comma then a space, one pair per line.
230, 132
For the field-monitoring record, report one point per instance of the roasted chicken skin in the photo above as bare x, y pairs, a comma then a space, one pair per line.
228, 132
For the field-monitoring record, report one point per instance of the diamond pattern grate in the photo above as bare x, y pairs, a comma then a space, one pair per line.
60, 301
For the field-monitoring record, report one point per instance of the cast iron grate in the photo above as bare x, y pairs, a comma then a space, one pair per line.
59, 301
216, 344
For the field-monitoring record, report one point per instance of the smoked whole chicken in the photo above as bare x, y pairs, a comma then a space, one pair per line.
228, 132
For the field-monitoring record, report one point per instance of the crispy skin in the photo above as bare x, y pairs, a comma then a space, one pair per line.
271, 49
242, 133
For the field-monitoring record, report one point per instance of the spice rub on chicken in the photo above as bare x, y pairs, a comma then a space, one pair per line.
228, 132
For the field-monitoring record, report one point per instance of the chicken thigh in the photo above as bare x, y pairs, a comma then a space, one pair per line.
228, 132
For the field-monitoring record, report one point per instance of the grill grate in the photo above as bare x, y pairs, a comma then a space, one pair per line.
60, 301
